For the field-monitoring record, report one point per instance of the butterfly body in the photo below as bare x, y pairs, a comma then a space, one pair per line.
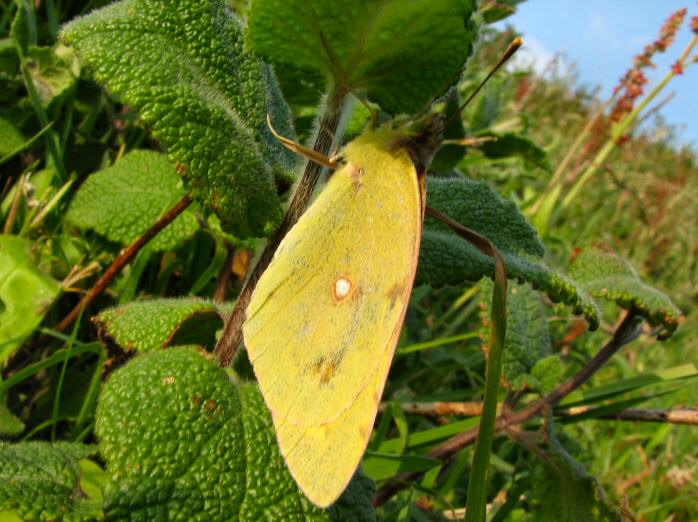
326, 315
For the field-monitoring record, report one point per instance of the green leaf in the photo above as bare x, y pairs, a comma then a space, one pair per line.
487, 108
54, 71
418, 439
447, 259
43, 482
527, 334
181, 65
639, 383
546, 374
123, 201
182, 441
509, 144
10, 426
563, 491
26, 293
11, 139
382, 466
448, 156
23, 32
398, 54
608, 275
479, 471
155, 324
495, 10
9, 60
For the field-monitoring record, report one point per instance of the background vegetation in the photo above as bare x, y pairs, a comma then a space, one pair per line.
73, 156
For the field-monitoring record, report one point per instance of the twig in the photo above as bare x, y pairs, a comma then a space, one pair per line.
677, 416
223, 279
436, 409
121, 261
626, 332
232, 335
14, 208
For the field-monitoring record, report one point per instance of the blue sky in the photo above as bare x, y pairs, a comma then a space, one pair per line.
602, 36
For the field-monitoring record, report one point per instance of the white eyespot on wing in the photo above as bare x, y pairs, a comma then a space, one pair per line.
342, 288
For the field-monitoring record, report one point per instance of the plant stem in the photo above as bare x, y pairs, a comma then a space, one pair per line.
560, 170
674, 416
51, 135
121, 261
626, 332
623, 128
232, 334
477, 486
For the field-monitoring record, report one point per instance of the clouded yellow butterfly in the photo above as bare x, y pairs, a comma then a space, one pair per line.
326, 315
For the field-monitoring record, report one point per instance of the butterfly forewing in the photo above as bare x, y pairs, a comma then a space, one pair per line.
325, 317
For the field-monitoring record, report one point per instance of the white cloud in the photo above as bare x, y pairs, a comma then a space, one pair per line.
534, 55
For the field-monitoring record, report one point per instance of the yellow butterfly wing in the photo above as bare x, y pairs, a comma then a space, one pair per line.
325, 317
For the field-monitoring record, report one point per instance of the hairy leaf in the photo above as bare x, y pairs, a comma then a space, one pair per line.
527, 338
151, 325
605, 274
25, 293
563, 491
447, 259
123, 201
183, 442
181, 65
43, 482
398, 54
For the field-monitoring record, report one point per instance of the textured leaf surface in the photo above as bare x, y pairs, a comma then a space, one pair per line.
527, 335
563, 491
10, 426
123, 201
399, 54
182, 442
42, 482
145, 326
25, 293
181, 65
447, 259
605, 274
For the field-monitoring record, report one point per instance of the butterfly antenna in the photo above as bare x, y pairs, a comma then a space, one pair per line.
312, 155
514, 46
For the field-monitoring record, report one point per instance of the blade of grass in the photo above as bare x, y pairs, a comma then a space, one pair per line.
477, 483
26, 144
55, 358
436, 343
59, 387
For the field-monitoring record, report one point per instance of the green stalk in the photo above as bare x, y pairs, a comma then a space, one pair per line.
51, 135
477, 484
